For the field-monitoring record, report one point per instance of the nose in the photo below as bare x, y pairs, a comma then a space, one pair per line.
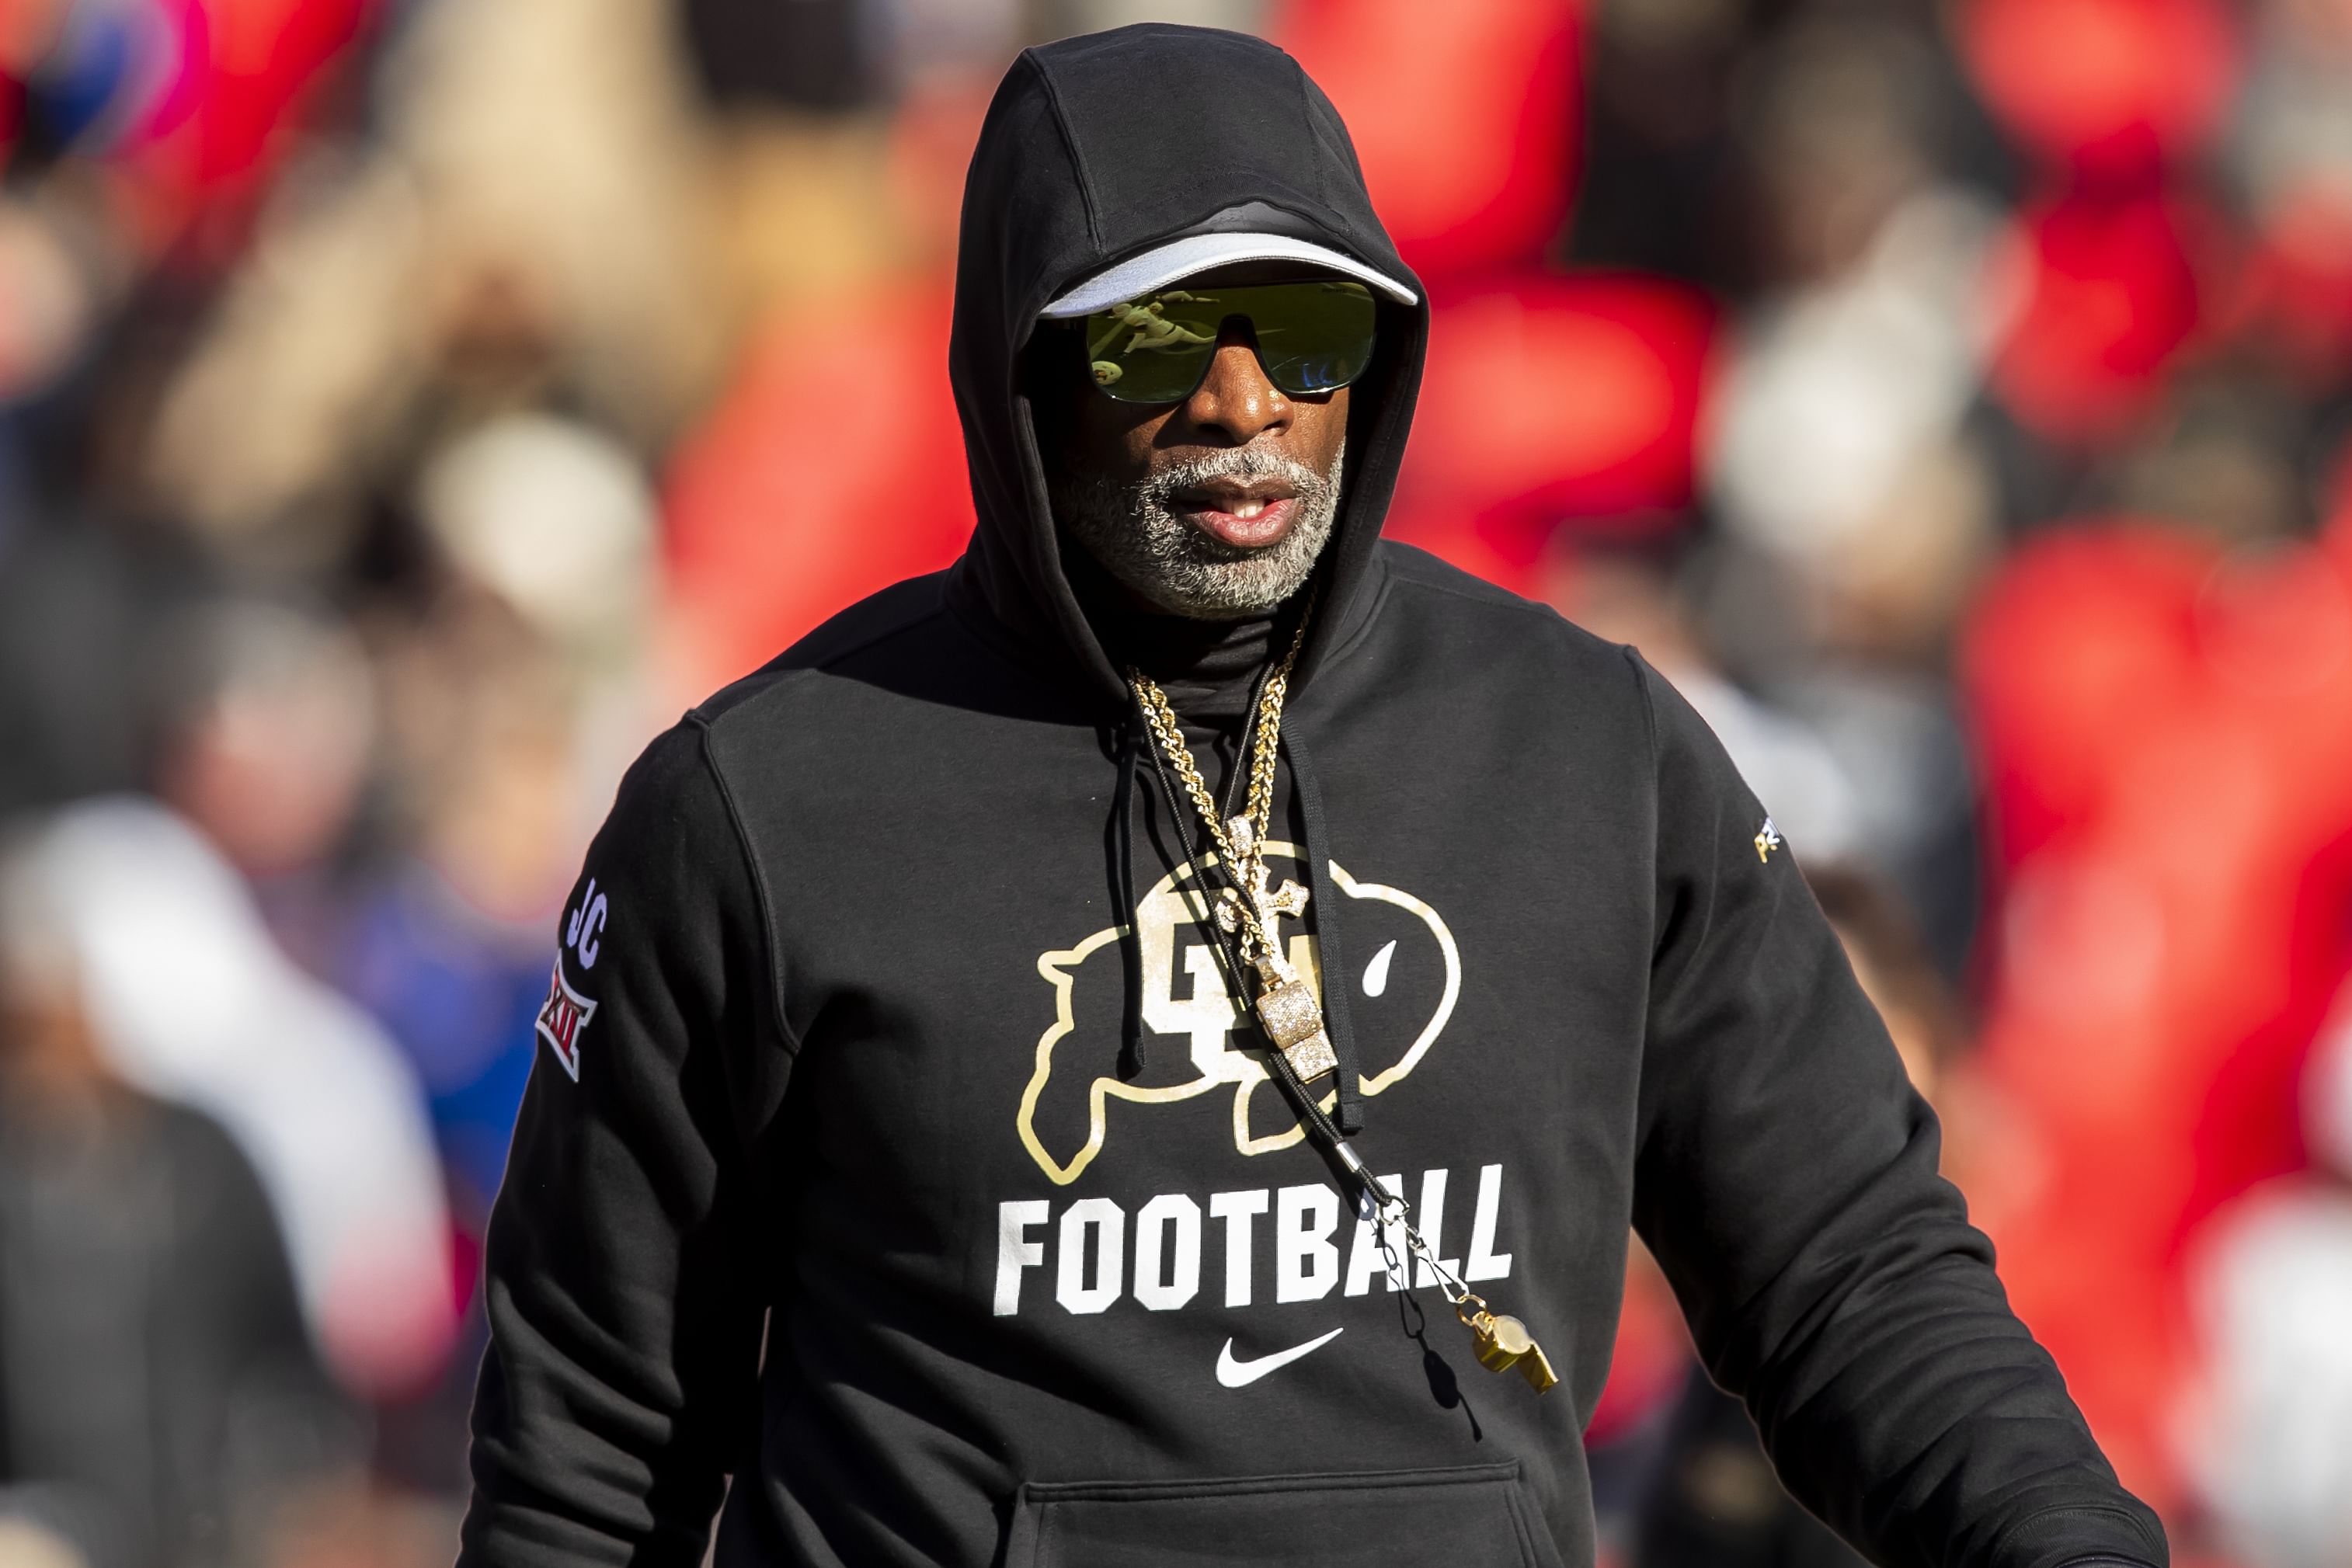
1236, 403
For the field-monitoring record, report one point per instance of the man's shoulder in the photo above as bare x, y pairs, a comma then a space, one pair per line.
1422, 588
903, 611
680, 778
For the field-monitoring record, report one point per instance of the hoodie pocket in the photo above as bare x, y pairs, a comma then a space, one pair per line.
1472, 1516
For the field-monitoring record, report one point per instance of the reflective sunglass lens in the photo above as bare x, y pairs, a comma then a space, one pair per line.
1312, 338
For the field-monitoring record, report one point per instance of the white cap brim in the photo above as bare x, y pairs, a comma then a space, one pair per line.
1182, 258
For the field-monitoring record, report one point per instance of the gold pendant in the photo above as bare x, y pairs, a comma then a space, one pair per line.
1294, 1020
1503, 1342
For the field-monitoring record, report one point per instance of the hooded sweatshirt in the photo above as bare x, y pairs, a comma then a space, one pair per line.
897, 1150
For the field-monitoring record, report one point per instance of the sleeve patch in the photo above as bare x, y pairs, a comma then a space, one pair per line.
564, 1019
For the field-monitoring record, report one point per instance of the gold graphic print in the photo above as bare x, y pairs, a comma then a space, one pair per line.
1200, 1008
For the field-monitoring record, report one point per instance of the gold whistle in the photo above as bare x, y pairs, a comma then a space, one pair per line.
1294, 1020
1502, 1341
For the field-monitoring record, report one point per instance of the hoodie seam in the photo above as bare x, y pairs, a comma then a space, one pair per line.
1512, 602
985, 631
1640, 673
760, 890
899, 628
997, 639
1355, 636
1070, 145
775, 674
1640, 669
2107, 1510
1306, 125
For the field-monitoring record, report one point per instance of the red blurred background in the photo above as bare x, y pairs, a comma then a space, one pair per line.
407, 405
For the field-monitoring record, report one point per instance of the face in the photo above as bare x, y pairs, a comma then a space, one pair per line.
1215, 507
48, 1040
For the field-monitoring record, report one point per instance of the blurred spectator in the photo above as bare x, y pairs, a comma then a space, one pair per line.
80, 620
160, 1400
2290, 157
280, 719
818, 54
2271, 1442
555, 519
1837, 443
446, 938
2167, 728
1626, 598
188, 998
270, 729
523, 236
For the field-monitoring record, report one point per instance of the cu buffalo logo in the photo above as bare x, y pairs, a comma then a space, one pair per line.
1407, 974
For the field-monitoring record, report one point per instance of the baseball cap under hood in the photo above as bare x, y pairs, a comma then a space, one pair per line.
1099, 148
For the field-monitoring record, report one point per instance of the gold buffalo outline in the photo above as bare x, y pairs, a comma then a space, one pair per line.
1057, 968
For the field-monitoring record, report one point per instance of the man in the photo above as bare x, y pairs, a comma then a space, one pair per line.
161, 1402
936, 1134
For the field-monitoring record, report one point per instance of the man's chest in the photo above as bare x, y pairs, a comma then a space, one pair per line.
1011, 1024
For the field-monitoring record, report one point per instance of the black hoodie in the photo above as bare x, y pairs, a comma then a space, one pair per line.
893, 1149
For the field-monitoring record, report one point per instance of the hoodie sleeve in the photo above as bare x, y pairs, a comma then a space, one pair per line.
624, 1312
1787, 1182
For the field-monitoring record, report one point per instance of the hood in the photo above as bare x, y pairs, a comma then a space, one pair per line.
1098, 148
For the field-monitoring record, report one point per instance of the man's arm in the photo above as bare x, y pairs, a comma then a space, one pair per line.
1787, 1182
624, 1297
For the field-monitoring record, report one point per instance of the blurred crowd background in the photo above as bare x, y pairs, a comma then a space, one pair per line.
407, 406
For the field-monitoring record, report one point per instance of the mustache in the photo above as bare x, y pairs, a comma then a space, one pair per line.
1131, 527
1162, 487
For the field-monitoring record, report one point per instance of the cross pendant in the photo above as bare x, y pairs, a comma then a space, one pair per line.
1286, 1004
1269, 902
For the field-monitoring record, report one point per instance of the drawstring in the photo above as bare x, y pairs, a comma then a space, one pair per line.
1134, 737
1130, 943
1323, 900
1347, 1111
1277, 1066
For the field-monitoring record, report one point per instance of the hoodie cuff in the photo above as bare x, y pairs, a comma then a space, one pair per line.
2122, 1533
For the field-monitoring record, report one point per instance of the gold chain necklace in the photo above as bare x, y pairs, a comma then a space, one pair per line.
1249, 910
1248, 907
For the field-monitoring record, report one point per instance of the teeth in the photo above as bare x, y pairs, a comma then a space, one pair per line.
1248, 509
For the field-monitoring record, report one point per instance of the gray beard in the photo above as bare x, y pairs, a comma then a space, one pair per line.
1133, 534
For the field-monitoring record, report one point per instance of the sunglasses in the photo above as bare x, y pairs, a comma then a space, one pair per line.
1313, 337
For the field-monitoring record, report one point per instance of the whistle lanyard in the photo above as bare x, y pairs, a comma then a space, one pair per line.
1241, 917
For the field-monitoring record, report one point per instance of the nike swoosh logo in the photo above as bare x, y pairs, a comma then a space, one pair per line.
1235, 1374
